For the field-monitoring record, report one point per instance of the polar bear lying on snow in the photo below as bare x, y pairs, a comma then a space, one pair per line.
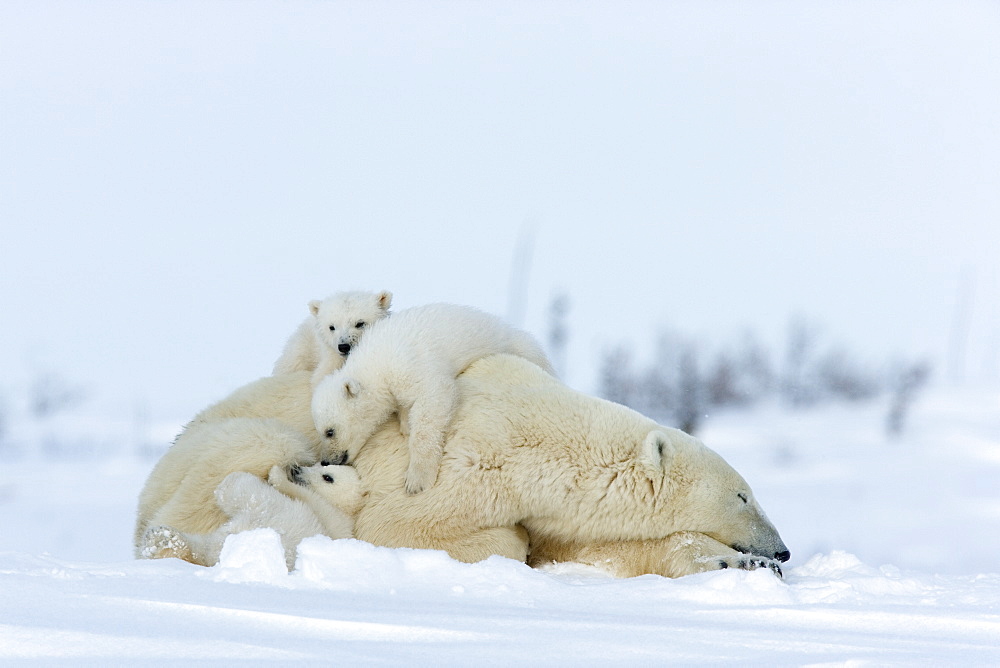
334, 327
408, 365
297, 502
538, 472
531, 470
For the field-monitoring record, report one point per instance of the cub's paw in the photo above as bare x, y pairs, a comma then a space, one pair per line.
751, 562
282, 476
419, 478
413, 486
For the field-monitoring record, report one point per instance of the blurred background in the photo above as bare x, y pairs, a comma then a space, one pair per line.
730, 216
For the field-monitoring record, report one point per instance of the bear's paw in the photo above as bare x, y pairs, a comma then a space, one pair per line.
751, 562
163, 542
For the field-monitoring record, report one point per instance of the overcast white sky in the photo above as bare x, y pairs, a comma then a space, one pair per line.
178, 179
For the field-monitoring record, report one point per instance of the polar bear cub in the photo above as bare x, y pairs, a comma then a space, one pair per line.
408, 365
297, 502
335, 325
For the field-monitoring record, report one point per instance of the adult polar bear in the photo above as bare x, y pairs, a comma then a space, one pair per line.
526, 458
583, 479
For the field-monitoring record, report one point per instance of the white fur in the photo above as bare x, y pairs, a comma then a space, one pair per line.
525, 456
589, 480
333, 328
408, 364
321, 499
260, 425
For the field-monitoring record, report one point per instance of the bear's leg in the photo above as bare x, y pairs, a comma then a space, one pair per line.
163, 542
469, 547
428, 418
237, 491
679, 554
510, 542
402, 521
277, 477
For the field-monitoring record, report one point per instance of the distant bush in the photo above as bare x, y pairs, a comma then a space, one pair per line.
905, 380
686, 380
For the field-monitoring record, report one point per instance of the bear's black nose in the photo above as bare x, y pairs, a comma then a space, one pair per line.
783, 556
344, 348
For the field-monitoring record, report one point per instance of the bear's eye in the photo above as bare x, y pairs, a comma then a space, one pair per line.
743, 497
324, 463
359, 324
327, 477
332, 328
329, 433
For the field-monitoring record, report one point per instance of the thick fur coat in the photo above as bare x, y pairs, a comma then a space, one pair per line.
536, 471
408, 365
297, 502
532, 470
263, 424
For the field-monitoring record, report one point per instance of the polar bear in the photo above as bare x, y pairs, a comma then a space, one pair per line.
536, 471
335, 325
532, 470
408, 365
262, 424
297, 502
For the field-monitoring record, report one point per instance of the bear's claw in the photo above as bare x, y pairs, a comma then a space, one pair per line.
749, 562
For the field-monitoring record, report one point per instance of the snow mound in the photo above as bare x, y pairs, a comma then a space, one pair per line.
252, 556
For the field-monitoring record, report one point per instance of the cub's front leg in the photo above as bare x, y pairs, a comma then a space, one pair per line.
428, 418
279, 477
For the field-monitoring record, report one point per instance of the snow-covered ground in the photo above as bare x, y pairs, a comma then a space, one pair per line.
895, 544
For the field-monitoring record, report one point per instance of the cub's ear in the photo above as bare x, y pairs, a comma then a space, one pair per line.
314, 306
657, 449
384, 300
352, 388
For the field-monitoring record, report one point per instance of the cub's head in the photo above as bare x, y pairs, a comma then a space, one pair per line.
340, 485
346, 414
708, 496
342, 319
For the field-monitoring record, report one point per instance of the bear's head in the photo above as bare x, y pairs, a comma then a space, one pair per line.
340, 320
705, 494
339, 485
346, 414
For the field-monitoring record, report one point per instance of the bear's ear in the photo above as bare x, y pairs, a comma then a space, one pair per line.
657, 449
384, 300
314, 306
352, 388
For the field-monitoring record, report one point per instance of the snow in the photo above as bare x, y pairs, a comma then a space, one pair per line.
894, 545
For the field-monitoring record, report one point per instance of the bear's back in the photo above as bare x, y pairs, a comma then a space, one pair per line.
448, 337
